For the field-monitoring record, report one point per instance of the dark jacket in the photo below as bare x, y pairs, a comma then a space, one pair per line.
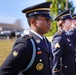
63, 54
72, 34
21, 54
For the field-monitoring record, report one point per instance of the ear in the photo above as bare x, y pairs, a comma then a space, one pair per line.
63, 24
32, 21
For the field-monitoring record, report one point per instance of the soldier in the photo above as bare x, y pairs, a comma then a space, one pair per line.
31, 54
72, 30
72, 33
62, 47
74, 20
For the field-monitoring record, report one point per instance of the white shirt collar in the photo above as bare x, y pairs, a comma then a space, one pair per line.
73, 26
36, 34
67, 31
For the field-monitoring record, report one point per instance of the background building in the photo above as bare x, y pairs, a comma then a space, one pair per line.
6, 29
10, 27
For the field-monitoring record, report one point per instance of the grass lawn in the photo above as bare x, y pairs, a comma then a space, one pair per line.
6, 47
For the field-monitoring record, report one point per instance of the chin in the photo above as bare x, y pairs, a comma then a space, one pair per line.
47, 31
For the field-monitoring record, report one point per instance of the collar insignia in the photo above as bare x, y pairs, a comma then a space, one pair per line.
38, 41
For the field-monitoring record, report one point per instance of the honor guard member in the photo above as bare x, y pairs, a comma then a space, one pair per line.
74, 20
72, 30
62, 47
72, 33
31, 54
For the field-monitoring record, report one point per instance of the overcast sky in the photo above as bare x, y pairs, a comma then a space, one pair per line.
10, 10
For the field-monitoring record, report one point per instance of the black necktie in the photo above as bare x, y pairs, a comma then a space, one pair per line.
45, 42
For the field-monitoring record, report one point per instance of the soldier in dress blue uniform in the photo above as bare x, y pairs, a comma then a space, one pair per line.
31, 54
72, 30
62, 47
72, 33
74, 20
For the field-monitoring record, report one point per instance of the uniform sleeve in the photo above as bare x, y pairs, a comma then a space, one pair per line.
17, 59
57, 48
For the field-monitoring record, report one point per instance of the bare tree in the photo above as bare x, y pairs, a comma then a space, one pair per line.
18, 22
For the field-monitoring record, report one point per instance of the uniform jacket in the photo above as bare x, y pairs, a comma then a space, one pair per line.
21, 54
63, 54
72, 34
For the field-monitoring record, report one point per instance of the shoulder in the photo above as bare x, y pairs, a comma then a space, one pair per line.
23, 45
57, 37
58, 34
24, 39
57, 41
73, 29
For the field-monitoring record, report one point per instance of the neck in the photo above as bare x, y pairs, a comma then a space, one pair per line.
37, 31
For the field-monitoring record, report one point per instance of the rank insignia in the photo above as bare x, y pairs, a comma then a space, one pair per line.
57, 45
38, 41
68, 40
15, 53
39, 66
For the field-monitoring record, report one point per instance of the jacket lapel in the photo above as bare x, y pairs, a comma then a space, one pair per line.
39, 41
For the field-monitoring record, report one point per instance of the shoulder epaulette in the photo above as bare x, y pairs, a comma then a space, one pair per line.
22, 39
27, 37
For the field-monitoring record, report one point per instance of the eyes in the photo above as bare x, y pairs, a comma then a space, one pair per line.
48, 20
69, 19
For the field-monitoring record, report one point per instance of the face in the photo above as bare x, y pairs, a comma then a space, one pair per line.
74, 22
43, 25
67, 24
